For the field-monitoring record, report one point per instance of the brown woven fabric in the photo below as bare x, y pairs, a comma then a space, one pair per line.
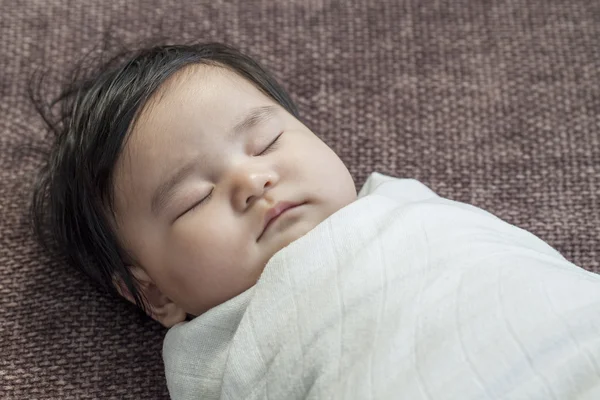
495, 103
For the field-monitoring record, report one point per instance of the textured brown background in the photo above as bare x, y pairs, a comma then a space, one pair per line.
495, 103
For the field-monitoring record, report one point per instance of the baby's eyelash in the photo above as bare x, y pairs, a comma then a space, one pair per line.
272, 146
204, 200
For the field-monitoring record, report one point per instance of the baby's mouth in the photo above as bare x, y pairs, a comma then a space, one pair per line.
275, 212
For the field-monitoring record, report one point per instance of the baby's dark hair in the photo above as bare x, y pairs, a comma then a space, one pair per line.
72, 203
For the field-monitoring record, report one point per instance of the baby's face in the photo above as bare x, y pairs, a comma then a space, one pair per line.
198, 182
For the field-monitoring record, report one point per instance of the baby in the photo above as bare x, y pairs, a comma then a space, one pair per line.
184, 180
180, 173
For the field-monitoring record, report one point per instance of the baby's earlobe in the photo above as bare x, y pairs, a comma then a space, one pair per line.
140, 275
169, 314
160, 307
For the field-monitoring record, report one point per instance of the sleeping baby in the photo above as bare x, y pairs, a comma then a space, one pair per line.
183, 179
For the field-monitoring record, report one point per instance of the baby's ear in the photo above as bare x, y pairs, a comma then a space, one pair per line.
160, 307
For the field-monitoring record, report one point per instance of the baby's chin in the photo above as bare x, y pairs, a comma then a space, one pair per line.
301, 232
296, 231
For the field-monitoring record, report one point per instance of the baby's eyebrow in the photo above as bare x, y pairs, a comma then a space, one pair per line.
165, 191
253, 118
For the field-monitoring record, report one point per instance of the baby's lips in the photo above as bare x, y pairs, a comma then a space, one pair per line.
274, 212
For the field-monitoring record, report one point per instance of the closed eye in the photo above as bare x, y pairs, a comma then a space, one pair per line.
271, 147
198, 204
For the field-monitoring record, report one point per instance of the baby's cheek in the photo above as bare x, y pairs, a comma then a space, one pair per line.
209, 242
194, 246
196, 264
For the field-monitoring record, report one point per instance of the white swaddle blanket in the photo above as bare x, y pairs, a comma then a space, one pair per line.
400, 295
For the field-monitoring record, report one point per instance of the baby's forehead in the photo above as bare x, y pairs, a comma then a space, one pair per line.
202, 76
216, 91
212, 96
181, 79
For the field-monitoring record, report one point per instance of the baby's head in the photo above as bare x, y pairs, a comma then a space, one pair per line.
165, 177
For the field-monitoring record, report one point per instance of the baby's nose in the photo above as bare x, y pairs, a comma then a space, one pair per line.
251, 185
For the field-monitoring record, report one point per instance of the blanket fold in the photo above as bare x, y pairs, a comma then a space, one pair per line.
401, 294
